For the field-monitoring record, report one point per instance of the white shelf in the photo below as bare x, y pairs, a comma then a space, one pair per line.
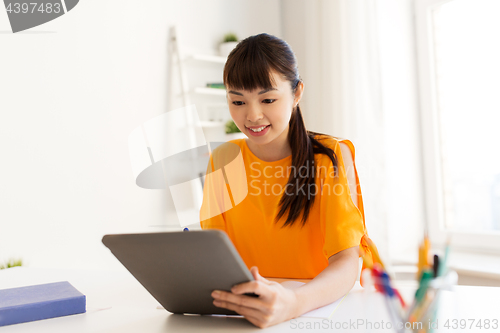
207, 58
210, 91
208, 123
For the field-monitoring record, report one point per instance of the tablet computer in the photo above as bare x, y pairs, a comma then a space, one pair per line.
181, 269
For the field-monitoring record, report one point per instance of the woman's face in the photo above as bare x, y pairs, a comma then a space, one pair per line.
263, 115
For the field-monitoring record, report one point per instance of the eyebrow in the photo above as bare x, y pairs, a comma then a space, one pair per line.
260, 93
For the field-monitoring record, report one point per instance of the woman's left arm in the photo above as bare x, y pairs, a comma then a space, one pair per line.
333, 282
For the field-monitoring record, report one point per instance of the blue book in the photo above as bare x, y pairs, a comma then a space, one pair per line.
43, 301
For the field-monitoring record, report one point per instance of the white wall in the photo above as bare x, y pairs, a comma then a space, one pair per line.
71, 91
405, 213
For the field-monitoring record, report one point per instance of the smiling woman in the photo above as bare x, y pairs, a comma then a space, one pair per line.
307, 223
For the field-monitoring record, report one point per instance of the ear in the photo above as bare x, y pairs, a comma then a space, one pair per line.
298, 93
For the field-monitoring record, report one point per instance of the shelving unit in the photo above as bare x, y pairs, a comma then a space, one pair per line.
210, 102
206, 57
210, 91
211, 123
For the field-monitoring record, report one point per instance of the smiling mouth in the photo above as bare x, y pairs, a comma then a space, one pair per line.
259, 129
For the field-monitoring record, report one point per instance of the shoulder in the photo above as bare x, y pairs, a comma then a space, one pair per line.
338, 145
327, 140
343, 149
344, 146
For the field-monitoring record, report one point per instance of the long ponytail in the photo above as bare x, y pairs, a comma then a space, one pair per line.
304, 146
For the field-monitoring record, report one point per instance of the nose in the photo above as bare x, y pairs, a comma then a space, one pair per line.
254, 114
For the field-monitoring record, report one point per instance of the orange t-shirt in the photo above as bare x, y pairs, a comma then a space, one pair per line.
334, 222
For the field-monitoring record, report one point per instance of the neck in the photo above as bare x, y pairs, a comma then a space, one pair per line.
275, 150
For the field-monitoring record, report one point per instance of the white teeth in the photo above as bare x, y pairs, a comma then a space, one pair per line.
258, 129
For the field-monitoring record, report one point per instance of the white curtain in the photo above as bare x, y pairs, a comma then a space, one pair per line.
345, 61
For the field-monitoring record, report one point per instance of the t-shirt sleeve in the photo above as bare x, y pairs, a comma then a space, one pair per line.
341, 221
215, 199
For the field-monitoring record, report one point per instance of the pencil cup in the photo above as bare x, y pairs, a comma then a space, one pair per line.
425, 314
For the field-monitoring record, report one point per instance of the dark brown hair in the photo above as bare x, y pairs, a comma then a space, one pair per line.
249, 67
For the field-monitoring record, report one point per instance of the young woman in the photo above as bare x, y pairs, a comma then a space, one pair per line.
303, 214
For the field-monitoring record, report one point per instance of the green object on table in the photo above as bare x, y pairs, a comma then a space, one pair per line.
424, 285
441, 271
12, 263
443, 263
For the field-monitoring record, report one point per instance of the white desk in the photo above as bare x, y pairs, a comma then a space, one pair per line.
130, 308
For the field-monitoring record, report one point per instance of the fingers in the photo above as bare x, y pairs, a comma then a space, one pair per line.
255, 272
258, 287
257, 322
254, 316
240, 300
249, 312
260, 316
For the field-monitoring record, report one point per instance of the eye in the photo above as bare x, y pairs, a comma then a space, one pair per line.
268, 101
238, 103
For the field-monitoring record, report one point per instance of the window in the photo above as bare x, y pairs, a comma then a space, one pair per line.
459, 85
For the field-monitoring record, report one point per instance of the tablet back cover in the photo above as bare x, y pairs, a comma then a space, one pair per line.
181, 269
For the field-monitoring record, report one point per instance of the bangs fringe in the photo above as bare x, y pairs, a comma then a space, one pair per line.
248, 68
